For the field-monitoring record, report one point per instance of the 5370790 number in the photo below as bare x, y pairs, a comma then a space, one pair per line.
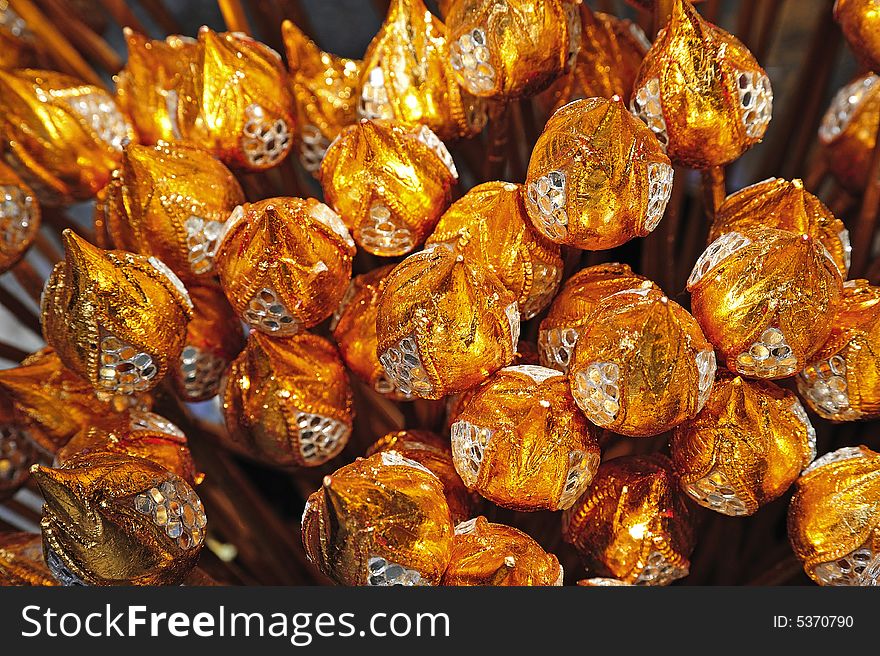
813, 621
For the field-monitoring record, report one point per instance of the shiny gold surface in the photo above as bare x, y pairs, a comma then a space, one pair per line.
389, 182
287, 401
19, 218
860, 22
325, 93
104, 310
375, 513
525, 44
642, 365
434, 452
243, 110
607, 63
597, 176
64, 137
835, 512
174, 200
750, 441
633, 523
521, 442
778, 203
491, 226
21, 560
495, 554
92, 525
152, 86
295, 252
708, 91
444, 324
570, 311
771, 289
406, 75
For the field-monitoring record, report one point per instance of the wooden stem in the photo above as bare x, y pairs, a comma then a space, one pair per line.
161, 15
714, 189
123, 15
82, 36
496, 149
234, 16
12, 353
863, 235
29, 279
20, 310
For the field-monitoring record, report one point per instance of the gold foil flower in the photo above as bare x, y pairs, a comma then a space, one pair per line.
243, 111
19, 218
406, 76
607, 63
325, 93
21, 561
642, 365
434, 452
766, 299
490, 225
521, 442
444, 324
848, 132
495, 554
777, 203
834, 517
213, 338
114, 318
389, 182
155, 82
701, 92
597, 177
287, 401
860, 22
63, 137
842, 380
113, 519
173, 201
745, 448
506, 49
284, 263
379, 521
570, 312
633, 523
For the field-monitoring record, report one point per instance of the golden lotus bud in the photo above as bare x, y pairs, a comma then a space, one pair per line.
213, 338
17, 452
432, 451
491, 226
512, 48
113, 519
114, 318
495, 554
325, 92
848, 132
607, 63
701, 92
633, 523
597, 177
284, 263
833, 518
642, 365
389, 182
521, 442
19, 218
151, 86
64, 137
777, 203
745, 448
171, 201
406, 76
137, 434
21, 561
842, 381
570, 312
243, 109
52, 399
17, 43
287, 401
444, 324
379, 521
354, 329
860, 22
765, 298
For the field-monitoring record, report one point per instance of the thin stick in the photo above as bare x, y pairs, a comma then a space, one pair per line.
662, 12
12, 353
714, 189
65, 55
768, 29
47, 248
234, 16
161, 15
82, 36
496, 149
863, 235
57, 219
123, 15
670, 225
20, 310
29, 279
746, 21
